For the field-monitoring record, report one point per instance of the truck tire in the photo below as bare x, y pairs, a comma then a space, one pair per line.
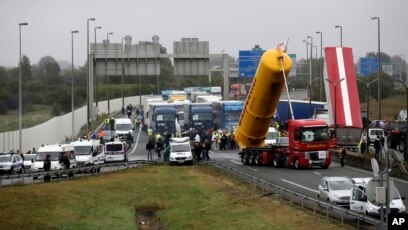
275, 162
402, 146
245, 158
256, 158
251, 158
287, 162
297, 164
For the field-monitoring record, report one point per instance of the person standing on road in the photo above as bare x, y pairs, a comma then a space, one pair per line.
363, 146
150, 149
377, 147
47, 167
342, 155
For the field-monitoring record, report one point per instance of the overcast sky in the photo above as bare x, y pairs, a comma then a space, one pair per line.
229, 25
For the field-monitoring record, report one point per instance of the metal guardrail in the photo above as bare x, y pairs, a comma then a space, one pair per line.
360, 221
67, 174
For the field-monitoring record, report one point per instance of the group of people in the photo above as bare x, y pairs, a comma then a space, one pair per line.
223, 140
157, 144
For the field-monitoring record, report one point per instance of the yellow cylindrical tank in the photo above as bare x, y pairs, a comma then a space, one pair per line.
263, 99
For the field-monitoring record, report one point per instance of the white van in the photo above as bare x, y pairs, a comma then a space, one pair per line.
373, 133
123, 126
180, 151
55, 151
88, 152
363, 197
115, 151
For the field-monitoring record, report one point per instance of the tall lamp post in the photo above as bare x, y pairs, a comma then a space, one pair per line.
309, 88
95, 78
107, 75
379, 69
341, 34
72, 82
89, 79
310, 75
335, 101
123, 74
20, 82
368, 109
321, 66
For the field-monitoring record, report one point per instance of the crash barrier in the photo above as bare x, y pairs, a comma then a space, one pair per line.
346, 216
69, 174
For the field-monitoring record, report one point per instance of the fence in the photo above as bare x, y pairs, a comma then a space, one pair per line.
56, 129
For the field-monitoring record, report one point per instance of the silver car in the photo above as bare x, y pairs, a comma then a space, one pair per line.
11, 163
335, 190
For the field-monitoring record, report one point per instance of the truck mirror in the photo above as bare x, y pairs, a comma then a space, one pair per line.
402, 197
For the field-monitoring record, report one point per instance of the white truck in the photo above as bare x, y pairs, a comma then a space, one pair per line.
88, 152
56, 152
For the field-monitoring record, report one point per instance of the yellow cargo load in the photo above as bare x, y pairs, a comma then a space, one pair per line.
262, 99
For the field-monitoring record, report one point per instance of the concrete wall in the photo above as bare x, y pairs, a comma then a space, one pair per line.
58, 128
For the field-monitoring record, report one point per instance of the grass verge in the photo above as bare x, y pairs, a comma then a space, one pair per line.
196, 197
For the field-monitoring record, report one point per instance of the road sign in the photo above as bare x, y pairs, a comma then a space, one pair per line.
248, 62
368, 66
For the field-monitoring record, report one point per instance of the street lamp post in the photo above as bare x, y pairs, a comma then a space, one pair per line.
321, 66
379, 69
341, 35
123, 74
89, 79
95, 78
20, 95
72, 82
310, 75
368, 110
335, 101
309, 86
107, 75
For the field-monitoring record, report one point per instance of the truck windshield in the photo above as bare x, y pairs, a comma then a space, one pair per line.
165, 117
202, 116
232, 116
315, 134
54, 156
83, 150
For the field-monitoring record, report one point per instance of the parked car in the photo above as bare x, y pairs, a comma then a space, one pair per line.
335, 190
11, 163
29, 160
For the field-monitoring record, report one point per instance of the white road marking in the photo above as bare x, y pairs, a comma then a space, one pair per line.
137, 142
312, 190
236, 162
317, 173
239, 163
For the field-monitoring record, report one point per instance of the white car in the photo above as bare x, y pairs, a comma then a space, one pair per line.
180, 151
335, 190
11, 163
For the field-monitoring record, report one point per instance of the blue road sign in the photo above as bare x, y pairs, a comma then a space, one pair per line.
368, 66
248, 62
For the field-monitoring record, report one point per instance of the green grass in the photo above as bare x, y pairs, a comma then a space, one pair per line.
195, 197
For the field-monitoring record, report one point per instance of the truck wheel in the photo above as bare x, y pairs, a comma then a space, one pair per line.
402, 146
297, 166
287, 162
256, 158
250, 158
275, 162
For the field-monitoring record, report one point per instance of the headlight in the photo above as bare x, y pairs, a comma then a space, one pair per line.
372, 209
402, 209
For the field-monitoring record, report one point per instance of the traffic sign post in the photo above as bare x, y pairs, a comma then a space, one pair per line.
248, 62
